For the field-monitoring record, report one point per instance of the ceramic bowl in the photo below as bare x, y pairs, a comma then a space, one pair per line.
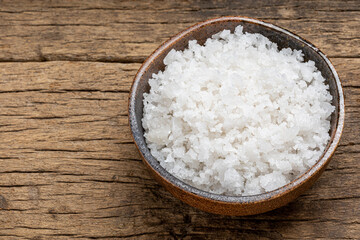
221, 204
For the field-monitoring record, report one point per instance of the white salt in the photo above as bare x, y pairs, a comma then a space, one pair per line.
237, 116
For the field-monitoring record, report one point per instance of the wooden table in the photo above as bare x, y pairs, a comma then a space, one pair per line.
68, 166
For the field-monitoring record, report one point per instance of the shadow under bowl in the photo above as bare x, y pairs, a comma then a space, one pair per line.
234, 205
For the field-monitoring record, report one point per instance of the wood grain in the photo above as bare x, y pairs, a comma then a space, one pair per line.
68, 167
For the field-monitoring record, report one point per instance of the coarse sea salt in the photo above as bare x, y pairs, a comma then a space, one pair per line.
237, 116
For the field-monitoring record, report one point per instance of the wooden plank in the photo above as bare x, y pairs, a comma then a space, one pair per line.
69, 169
129, 31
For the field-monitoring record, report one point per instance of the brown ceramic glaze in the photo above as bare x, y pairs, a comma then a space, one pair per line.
234, 205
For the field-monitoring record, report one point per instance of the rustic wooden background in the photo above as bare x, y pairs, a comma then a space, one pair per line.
68, 166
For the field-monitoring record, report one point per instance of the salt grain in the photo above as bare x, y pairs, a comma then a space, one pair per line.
237, 116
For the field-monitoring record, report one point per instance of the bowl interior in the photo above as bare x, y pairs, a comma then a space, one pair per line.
201, 32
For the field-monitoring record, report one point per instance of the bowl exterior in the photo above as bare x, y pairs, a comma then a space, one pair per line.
228, 205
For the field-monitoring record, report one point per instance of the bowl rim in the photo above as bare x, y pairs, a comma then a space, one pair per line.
279, 192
